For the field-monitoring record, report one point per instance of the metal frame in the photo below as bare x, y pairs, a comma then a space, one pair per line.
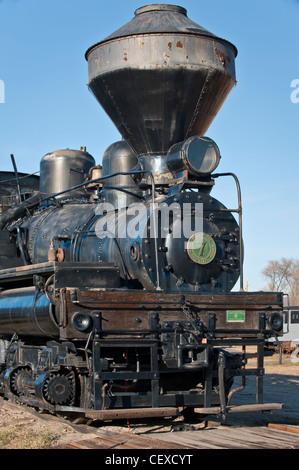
99, 376
163, 311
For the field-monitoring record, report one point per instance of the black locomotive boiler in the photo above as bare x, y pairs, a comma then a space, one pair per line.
116, 279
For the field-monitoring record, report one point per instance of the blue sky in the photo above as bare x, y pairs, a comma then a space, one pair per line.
48, 106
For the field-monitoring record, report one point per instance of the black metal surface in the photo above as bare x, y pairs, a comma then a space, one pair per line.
90, 275
8, 250
26, 312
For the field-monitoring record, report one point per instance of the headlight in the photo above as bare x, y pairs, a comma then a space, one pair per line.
81, 321
199, 155
275, 321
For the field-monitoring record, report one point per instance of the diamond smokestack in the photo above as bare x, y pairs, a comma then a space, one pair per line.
161, 77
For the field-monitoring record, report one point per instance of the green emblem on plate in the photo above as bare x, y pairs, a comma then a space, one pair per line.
235, 315
201, 248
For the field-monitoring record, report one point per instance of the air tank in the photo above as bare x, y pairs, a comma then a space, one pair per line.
120, 190
63, 169
161, 77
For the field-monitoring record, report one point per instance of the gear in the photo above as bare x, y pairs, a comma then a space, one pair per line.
59, 389
17, 380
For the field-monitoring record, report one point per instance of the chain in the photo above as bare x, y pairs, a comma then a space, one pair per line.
187, 312
190, 317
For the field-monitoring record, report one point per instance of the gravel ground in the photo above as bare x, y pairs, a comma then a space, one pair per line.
281, 385
278, 388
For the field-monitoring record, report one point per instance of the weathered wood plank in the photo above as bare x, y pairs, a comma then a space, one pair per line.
226, 437
287, 428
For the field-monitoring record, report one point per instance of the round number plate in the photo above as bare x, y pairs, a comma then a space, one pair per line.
201, 248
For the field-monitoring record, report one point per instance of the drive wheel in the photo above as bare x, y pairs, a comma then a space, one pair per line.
18, 378
59, 388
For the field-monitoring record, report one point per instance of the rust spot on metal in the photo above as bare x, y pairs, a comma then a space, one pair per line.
179, 45
170, 45
222, 57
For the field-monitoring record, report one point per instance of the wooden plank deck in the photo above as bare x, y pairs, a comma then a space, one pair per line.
211, 437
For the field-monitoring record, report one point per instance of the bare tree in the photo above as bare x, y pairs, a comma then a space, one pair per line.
283, 276
294, 284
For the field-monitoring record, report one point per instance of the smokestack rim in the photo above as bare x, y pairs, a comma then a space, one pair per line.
160, 7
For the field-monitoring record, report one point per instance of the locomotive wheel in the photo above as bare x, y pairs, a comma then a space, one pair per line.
17, 380
59, 389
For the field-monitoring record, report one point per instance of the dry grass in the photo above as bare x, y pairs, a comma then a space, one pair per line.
18, 437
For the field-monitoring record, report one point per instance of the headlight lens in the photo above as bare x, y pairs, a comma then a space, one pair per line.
81, 321
275, 321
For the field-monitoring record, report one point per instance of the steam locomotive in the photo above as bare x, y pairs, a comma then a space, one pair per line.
116, 279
